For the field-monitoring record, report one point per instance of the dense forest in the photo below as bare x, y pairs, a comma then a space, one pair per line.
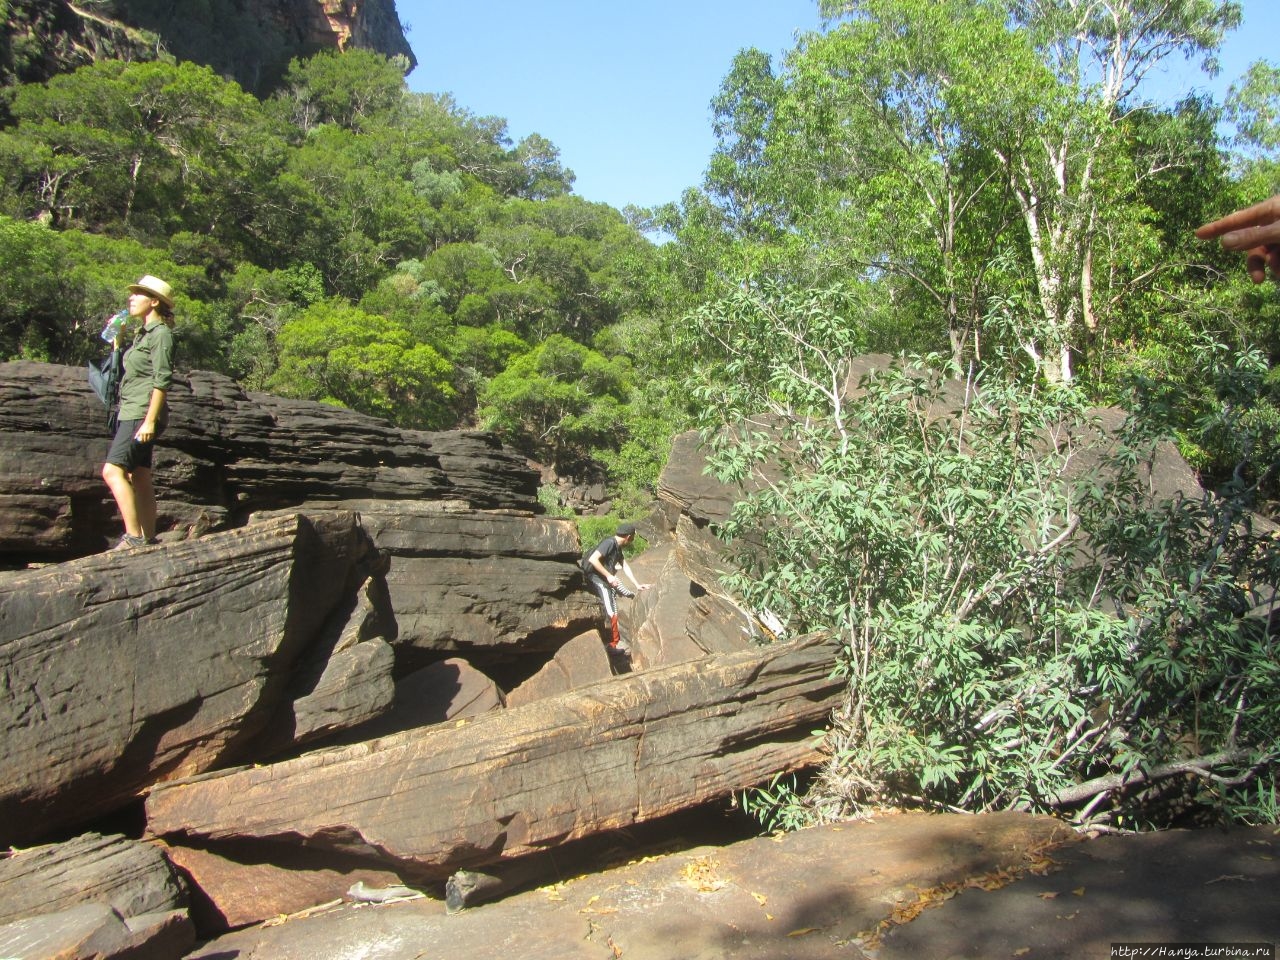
344, 240
977, 184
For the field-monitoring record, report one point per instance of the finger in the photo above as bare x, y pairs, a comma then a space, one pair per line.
1266, 212
1256, 266
1252, 237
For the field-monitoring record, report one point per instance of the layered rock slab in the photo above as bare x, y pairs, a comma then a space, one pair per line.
225, 454
127, 668
808, 895
496, 583
132, 878
95, 931
511, 783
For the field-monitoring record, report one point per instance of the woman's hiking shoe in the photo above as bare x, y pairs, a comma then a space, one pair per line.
128, 542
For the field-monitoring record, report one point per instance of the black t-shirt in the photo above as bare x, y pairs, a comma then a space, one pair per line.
610, 555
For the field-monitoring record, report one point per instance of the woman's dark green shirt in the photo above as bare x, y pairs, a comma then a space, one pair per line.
148, 365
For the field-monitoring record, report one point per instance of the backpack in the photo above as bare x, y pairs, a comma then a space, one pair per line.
104, 377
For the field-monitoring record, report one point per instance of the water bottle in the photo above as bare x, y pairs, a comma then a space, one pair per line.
114, 326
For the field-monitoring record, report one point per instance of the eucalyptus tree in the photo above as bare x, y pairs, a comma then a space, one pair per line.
1065, 191
972, 156
883, 125
740, 177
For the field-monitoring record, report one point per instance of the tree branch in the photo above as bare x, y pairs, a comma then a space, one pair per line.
1200, 766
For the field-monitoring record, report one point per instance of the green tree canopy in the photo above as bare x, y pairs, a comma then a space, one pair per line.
336, 353
559, 400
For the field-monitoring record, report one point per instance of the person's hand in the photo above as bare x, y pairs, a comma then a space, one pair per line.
146, 433
1254, 229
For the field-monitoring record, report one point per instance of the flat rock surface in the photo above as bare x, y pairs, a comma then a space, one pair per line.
918, 886
1180, 886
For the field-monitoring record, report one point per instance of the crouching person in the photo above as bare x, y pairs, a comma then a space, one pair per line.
601, 566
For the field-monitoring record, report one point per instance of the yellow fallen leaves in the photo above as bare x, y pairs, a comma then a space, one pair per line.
1037, 862
591, 908
700, 873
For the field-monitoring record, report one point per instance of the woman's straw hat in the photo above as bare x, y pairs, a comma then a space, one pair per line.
154, 287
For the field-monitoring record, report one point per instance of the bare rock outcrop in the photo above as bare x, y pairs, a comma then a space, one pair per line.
512, 783
250, 41
227, 454
386, 614
123, 669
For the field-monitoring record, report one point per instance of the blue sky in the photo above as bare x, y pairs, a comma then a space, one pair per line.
623, 89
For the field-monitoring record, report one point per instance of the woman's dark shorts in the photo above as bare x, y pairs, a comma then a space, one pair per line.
127, 452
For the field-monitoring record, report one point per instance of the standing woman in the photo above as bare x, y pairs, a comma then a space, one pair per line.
144, 410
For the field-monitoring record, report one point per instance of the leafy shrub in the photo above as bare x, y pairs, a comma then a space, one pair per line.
1022, 624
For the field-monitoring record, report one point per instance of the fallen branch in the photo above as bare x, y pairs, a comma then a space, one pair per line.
1200, 766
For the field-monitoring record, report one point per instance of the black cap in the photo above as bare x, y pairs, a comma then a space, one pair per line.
626, 530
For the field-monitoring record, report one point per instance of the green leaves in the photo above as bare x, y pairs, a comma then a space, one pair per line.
338, 354
558, 400
1018, 615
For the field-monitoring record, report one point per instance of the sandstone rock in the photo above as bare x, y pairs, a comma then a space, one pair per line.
354, 687
624, 751
815, 894
127, 668
94, 931
684, 484
231, 892
251, 42
579, 662
678, 620
132, 878
226, 454
449, 690
494, 583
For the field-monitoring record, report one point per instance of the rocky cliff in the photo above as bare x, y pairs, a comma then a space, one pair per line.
250, 41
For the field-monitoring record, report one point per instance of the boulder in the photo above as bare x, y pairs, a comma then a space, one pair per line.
451, 689
94, 931
127, 668
678, 620
579, 662
354, 686
225, 454
130, 877
234, 889
624, 751
492, 584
